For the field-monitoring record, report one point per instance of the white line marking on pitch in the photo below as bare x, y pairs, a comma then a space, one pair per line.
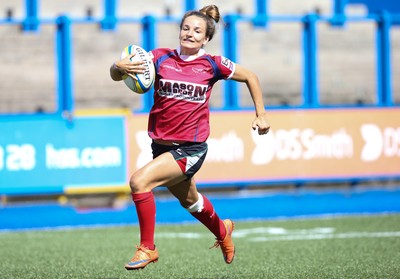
328, 236
282, 234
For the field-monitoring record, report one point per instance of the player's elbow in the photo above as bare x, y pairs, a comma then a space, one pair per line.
116, 76
251, 78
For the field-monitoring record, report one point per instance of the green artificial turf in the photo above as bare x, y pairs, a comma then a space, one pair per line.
340, 247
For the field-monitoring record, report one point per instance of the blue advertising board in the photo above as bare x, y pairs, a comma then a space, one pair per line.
45, 155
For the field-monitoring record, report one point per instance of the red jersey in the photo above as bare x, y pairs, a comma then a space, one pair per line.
182, 91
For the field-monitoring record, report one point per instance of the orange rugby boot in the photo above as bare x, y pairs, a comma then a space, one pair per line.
142, 257
227, 246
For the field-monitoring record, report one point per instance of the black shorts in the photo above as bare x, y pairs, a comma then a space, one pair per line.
189, 156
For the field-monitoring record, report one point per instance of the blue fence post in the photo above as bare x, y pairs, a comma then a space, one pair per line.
310, 79
384, 79
110, 15
190, 5
260, 18
31, 22
64, 57
149, 43
231, 95
338, 18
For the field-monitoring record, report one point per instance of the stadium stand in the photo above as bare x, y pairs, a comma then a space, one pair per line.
347, 58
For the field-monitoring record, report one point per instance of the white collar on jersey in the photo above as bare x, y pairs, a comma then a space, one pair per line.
190, 57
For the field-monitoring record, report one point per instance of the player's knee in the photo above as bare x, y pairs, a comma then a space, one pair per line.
137, 183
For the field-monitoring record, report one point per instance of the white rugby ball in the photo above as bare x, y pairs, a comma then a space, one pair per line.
144, 81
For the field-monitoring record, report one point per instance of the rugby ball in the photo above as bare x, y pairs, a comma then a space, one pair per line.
144, 81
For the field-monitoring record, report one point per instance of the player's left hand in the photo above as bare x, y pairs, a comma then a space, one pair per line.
261, 122
131, 68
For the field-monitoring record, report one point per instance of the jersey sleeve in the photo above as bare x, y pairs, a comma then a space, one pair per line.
158, 52
154, 54
225, 66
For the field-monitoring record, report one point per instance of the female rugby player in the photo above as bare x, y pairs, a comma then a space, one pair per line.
179, 127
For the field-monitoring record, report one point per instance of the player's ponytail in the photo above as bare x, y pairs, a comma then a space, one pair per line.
212, 12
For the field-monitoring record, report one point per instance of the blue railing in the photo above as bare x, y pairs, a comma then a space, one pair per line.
310, 89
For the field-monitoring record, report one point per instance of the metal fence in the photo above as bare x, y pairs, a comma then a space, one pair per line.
384, 21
